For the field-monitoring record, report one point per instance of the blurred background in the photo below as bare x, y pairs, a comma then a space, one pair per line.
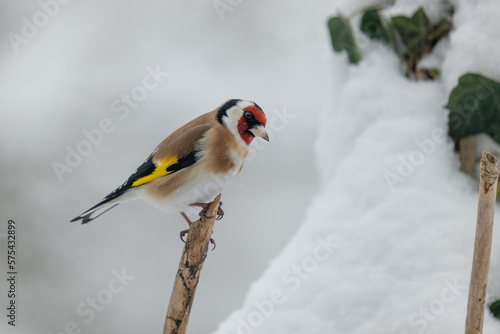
68, 66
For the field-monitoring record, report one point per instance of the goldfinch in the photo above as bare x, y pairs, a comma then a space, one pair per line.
192, 165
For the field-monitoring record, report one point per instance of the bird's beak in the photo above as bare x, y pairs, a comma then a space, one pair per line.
259, 131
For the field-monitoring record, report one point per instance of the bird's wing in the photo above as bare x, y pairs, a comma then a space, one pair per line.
176, 152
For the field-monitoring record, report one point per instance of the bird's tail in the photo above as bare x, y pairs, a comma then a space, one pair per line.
96, 211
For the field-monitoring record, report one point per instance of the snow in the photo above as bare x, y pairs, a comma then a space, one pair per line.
387, 243
371, 255
65, 80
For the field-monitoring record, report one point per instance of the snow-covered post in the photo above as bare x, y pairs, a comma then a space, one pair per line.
482, 249
188, 274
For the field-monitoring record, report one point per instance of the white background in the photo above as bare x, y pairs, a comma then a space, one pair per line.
64, 80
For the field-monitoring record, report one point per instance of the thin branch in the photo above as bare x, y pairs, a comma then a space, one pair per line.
188, 274
482, 248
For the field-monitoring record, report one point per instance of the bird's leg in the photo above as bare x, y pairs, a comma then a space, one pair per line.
184, 232
203, 212
204, 206
186, 218
220, 212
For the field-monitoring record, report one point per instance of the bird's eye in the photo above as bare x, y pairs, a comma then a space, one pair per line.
248, 115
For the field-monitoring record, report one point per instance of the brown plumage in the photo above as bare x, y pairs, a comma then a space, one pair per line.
194, 163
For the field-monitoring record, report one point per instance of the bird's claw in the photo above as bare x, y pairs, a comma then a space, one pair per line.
219, 215
204, 216
203, 212
220, 212
184, 232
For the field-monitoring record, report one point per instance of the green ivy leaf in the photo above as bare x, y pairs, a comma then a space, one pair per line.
376, 27
439, 31
494, 132
474, 107
373, 26
343, 39
414, 30
495, 309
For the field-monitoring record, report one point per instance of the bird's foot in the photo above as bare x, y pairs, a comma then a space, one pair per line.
184, 232
203, 212
220, 212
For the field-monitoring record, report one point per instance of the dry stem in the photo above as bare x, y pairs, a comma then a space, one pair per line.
188, 274
482, 248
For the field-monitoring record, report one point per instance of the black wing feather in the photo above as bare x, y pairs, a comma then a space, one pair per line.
145, 169
148, 167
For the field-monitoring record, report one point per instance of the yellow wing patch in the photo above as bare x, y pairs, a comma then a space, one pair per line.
159, 171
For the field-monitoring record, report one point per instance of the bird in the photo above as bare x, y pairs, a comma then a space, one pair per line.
192, 165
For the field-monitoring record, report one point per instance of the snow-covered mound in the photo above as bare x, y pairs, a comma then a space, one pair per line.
387, 243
